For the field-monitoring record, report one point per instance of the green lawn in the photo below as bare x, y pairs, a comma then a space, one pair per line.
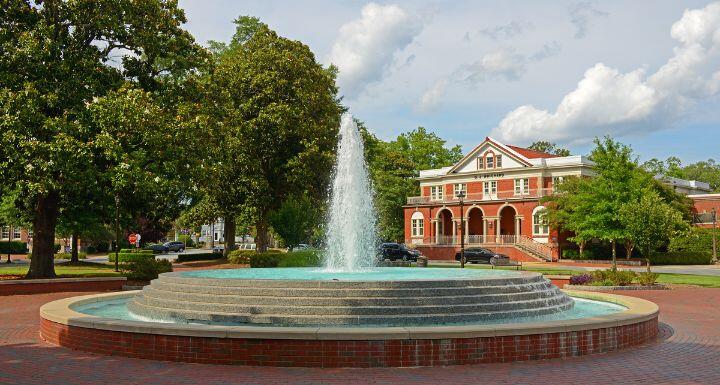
83, 269
676, 279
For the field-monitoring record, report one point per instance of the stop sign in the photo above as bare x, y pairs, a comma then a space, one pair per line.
132, 238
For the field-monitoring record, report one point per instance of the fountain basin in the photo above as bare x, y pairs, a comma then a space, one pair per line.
494, 340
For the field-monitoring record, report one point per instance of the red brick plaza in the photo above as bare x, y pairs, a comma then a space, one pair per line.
687, 352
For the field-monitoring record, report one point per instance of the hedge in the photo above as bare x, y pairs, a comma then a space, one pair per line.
131, 257
681, 258
146, 269
198, 257
274, 258
13, 247
301, 259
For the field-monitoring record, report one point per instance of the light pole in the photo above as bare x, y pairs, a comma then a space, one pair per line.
117, 230
714, 236
460, 195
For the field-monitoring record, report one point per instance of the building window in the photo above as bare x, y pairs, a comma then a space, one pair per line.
16, 233
498, 161
436, 193
5, 232
522, 186
540, 223
480, 163
417, 224
490, 161
457, 187
490, 189
557, 181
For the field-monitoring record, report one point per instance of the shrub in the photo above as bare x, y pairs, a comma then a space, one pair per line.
198, 257
265, 259
98, 247
133, 250
57, 247
570, 254
647, 278
186, 239
132, 257
68, 256
682, 258
581, 279
696, 239
614, 277
307, 258
240, 257
13, 247
146, 269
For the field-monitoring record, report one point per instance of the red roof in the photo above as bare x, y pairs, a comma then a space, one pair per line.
531, 154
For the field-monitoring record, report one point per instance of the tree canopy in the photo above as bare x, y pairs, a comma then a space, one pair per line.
549, 148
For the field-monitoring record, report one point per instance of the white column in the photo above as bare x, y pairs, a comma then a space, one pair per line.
517, 229
497, 230
485, 226
467, 229
437, 231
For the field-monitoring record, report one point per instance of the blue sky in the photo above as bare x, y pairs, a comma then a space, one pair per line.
646, 72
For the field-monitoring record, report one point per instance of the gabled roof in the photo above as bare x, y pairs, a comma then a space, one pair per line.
508, 150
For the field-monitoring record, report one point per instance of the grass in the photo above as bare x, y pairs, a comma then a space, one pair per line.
673, 279
66, 270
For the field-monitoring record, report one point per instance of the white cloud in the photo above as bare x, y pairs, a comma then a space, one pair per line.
431, 99
609, 102
506, 31
365, 48
581, 15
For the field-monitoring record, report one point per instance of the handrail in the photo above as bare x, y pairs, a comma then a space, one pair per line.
541, 250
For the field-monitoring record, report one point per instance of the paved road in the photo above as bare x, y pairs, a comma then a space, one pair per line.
104, 259
673, 269
687, 352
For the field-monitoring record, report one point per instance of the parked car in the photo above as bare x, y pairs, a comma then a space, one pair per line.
157, 248
397, 251
478, 255
246, 246
175, 246
301, 247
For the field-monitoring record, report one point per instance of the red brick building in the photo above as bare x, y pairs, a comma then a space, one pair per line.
503, 185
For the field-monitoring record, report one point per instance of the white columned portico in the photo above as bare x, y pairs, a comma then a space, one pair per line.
517, 228
436, 224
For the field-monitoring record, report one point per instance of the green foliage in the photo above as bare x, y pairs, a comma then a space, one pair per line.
707, 171
682, 258
549, 148
295, 220
240, 257
306, 258
647, 278
131, 257
650, 222
81, 255
613, 277
186, 239
265, 259
13, 247
145, 269
694, 239
198, 257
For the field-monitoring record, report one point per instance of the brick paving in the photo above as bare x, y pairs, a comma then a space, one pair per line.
688, 352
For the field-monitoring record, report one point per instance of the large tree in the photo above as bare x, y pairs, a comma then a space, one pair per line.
650, 222
58, 57
549, 148
276, 114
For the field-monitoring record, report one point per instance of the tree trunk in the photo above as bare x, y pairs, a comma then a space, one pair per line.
262, 234
614, 255
42, 264
229, 231
629, 246
74, 248
581, 245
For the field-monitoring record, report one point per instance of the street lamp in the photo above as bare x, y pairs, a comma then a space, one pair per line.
117, 231
460, 195
714, 236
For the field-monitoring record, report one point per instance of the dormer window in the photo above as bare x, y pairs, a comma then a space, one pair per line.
498, 161
490, 161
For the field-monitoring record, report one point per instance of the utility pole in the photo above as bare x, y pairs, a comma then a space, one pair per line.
714, 235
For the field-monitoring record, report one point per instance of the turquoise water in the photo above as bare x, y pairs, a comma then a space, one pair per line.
117, 308
377, 274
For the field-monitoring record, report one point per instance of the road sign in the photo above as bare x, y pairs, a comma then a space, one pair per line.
132, 238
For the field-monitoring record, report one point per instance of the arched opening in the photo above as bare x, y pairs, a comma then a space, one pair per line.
445, 223
474, 222
540, 222
417, 225
507, 220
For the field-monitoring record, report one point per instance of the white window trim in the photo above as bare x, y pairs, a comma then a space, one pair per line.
544, 228
456, 190
489, 159
557, 181
417, 225
436, 192
490, 189
498, 161
5, 232
522, 186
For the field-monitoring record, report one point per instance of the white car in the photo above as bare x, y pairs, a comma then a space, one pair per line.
247, 246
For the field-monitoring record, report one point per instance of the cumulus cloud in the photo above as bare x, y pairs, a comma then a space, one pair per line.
503, 64
581, 15
365, 48
607, 101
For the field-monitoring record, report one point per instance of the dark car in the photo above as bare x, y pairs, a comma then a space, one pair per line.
477, 255
397, 251
157, 248
175, 246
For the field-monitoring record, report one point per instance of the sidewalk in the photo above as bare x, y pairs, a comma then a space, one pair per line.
713, 270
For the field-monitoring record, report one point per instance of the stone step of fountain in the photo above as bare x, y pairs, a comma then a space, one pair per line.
350, 292
333, 284
405, 298
291, 309
195, 316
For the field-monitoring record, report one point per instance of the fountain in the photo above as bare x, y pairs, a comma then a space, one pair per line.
349, 313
